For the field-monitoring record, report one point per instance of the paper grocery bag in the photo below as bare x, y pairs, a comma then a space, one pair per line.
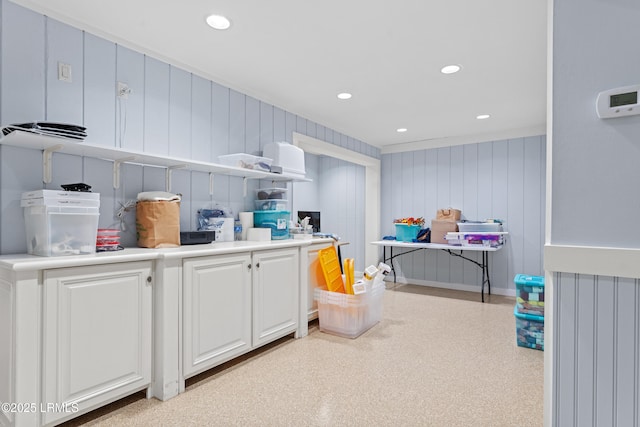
448, 214
158, 224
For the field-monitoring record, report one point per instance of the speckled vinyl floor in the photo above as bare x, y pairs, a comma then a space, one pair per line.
437, 358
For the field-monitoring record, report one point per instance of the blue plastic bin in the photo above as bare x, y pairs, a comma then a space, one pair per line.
529, 294
277, 221
529, 330
406, 232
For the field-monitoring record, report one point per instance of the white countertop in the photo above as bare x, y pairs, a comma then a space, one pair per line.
24, 262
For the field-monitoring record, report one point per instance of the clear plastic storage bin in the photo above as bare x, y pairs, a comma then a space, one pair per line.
348, 315
59, 230
246, 161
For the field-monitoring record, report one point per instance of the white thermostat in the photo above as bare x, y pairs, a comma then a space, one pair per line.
619, 102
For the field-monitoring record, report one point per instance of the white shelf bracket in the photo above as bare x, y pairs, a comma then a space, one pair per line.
167, 177
116, 170
244, 186
46, 162
211, 183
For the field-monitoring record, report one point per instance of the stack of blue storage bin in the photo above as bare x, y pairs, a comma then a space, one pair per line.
529, 311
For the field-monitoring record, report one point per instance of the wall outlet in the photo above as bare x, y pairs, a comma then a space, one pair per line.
64, 72
122, 90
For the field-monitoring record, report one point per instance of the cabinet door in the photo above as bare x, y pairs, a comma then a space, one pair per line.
216, 310
275, 294
97, 335
316, 278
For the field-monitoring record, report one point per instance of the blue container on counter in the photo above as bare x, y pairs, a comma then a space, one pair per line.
277, 221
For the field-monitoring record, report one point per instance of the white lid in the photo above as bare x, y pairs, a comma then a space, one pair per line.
60, 194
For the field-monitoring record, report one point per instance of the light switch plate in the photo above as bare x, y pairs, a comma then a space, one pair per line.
64, 72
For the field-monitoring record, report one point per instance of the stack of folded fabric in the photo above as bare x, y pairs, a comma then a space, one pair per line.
59, 130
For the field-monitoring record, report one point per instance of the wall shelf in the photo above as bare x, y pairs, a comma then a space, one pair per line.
49, 145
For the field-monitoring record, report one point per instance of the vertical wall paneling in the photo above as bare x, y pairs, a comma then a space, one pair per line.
584, 363
131, 183
168, 112
386, 193
279, 124
311, 129
94, 170
220, 135
305, 194
430, 207
252, 126
470, 206
405, 172
301, 125
236, 139
443, 270
456, 200
181, 184
200, 197
625, 356
502, 179
596, 350
201, 126
67, 170
515, 205
130, 111
237, 120
566, 367
343, 141
13, 182
179, 144
500, 209
604, 353
64, 98
156, 106
290, 126
99, 90
360, 205
23, 65
266, 124
418, 207
320, 132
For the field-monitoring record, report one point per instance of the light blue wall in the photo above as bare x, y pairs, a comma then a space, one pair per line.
595, 161
596, 319
170, 112
501, 179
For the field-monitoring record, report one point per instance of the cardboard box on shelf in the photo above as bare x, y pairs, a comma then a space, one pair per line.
440, 228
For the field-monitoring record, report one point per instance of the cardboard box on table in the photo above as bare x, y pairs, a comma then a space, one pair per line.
440, 228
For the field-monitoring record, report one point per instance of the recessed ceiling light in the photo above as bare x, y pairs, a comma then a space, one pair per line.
483, 116
344, 95
400, 130
218, 22
450, 69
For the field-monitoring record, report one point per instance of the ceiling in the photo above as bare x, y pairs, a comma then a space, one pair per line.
299, 54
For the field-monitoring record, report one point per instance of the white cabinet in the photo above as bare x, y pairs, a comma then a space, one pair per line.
275, 294
234, 303
217, 310
96, 335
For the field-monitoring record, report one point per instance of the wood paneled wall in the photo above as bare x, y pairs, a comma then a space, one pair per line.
501, 179
169, 112
596, 350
